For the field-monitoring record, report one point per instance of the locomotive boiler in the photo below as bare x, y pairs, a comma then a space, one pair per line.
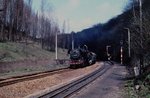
81, 57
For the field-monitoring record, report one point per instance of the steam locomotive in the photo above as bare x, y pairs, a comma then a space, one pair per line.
81, 57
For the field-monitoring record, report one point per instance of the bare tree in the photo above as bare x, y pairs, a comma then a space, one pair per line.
3, 17
140, 40
19, 22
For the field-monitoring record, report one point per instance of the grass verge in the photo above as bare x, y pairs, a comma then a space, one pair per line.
130, 92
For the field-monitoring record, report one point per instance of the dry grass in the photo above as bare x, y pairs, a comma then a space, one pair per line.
20, 51
19, 58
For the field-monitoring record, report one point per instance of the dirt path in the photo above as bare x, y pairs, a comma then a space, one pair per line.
106, 86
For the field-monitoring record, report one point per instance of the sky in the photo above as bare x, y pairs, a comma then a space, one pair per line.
82, 14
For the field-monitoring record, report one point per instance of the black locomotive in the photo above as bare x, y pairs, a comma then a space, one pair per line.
81, 57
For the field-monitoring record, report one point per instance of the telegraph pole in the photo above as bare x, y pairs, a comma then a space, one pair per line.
121, 55
129, 42
121, 51
141, 31
141, 21
141, 14
56, 50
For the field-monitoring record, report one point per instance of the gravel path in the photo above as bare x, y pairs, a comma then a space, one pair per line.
109, 85
25, 88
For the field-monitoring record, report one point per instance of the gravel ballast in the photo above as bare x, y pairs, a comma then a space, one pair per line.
25, 88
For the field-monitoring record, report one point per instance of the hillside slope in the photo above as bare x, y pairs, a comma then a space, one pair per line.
21, 58
12, 51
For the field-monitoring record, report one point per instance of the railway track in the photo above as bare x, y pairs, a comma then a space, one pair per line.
16, 79
72, 87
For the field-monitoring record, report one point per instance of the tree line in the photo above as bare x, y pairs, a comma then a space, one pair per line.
114, 33
19, 22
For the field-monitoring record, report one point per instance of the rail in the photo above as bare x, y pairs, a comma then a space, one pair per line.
70, 88
16, 79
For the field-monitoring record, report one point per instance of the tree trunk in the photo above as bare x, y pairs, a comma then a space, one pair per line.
2, 33
10, 33
141, 63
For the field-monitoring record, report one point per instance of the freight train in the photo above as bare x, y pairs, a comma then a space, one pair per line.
81, 57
